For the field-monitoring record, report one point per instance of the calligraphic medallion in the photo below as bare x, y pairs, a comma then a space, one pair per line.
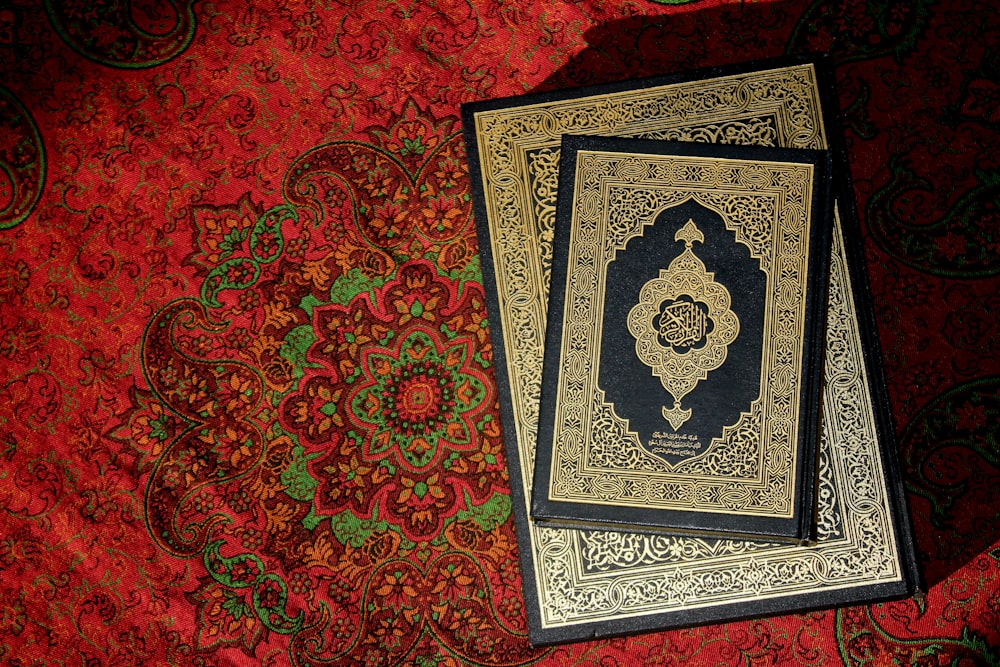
682, 324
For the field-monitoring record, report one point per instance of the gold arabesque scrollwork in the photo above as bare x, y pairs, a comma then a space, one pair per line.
582, 577
682, 324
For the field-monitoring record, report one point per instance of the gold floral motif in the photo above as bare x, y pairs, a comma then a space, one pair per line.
682, 324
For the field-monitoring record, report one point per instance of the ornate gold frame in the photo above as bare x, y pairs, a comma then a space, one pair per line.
579, 582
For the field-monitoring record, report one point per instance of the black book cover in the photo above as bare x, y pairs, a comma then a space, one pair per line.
581, 584
685, 337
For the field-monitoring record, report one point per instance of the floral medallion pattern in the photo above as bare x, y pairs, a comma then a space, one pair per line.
337, 416
416, 401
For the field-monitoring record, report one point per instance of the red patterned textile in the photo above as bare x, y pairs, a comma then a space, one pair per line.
248, 412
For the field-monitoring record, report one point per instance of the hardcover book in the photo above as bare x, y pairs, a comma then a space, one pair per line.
681, 384
581, 584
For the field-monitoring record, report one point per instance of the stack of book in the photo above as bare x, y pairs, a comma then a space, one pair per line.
685, 350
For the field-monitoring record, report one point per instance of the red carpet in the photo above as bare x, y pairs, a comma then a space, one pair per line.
233, 234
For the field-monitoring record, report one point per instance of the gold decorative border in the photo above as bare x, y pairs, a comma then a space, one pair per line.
586, 577
750, 469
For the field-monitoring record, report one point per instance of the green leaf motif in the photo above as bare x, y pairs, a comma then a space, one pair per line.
311, 520
298, 341
350, 528
234, 605
472, 272
348, 285
238, 273
309, 302
266, 240
300, 485
490, 514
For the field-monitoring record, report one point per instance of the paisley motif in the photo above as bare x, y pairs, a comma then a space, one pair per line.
383, 440
234, 242
859, 30
951, 463
410, 604
22, 161
124, 33
409, 188
979, 97
962, 243
216, 443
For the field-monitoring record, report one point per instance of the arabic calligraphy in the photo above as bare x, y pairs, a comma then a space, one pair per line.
682, 324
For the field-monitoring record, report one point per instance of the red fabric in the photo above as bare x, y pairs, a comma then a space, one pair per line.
247, 407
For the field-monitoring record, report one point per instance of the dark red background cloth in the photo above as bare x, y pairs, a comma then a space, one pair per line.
247, 408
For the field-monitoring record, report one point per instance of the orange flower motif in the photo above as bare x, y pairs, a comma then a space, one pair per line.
241, 447
317, 410
420, 489
450, 172
378, 187
241, 391
478, 325
397, 590
409, 308
347, 334
442, 213
454, 583
466, 620
389, 219
389, 632
192, 387
152, 431
489, 454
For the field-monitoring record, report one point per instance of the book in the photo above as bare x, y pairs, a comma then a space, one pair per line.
581, 584
681, 382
